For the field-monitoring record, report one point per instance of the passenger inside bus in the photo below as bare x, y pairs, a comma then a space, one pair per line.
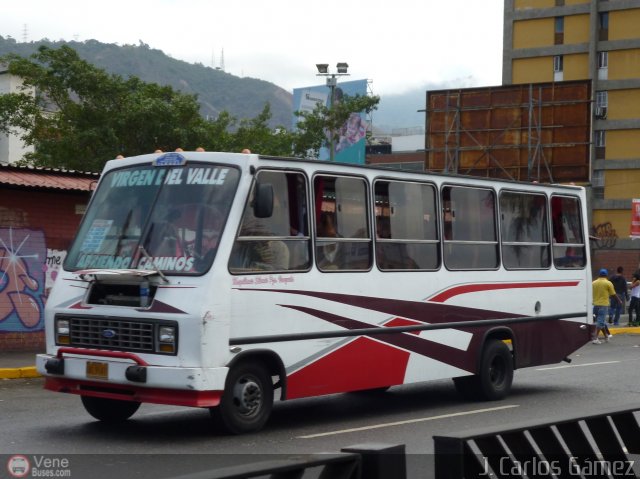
391, 254
329, 253
164, 239
259, 254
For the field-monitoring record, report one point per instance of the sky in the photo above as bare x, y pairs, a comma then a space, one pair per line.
398, 45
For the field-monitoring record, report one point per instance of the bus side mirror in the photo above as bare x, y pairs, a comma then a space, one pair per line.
263, 200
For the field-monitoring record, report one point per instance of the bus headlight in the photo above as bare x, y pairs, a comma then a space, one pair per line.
167, 339
62, 331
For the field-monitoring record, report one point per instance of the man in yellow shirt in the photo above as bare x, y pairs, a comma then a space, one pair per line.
603, 291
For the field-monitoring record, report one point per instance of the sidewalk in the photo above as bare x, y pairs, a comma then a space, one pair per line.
17, 364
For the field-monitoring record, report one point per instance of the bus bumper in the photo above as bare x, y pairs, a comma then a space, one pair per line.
125, 378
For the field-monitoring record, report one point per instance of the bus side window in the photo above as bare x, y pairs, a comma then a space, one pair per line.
524, 230
568, 241
470, 235
280, 242
406, 230
343, 239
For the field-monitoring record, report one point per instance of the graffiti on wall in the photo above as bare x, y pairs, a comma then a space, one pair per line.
605, 234
23, 255
52, 267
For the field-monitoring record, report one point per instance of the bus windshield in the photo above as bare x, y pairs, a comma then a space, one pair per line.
156, 218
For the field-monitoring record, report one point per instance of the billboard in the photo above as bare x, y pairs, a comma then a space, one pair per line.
350, 145
524, 132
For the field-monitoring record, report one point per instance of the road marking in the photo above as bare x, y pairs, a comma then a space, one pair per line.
408, 421
577, 365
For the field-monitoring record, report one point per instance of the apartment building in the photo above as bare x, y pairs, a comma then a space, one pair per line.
12, 148
596, 40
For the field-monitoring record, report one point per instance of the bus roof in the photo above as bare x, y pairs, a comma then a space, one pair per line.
247, 159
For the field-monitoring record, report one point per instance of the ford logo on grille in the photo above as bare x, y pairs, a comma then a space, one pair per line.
109, 333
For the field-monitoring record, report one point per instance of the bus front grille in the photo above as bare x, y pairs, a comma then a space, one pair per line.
115, 334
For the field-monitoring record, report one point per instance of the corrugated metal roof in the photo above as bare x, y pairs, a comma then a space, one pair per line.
48, 178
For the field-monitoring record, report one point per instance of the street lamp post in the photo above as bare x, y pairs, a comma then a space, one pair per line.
332, 81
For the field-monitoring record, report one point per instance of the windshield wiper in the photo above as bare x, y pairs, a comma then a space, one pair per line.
150, 259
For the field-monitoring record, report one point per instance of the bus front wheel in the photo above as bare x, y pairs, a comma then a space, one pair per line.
247, 399
109, 410
494, 377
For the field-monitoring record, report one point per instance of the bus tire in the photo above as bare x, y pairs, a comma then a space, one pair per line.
109, 410
495, 375
247, 400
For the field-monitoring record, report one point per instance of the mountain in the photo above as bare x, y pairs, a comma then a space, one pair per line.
217, 91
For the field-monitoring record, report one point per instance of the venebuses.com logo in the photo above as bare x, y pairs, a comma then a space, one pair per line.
18, 466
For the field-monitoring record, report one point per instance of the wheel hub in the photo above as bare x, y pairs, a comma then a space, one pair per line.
247, 396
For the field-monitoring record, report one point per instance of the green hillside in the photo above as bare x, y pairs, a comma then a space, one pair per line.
216, 90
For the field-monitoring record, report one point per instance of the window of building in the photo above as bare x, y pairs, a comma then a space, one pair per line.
282, 241
559, 31
524, 230
603, 65
603, 26
343, 237
600, 108
568, 241
597, 184
599, 140
406, 226
469, 228
558, 67
597, 179
602, 98
558, 63
603, 59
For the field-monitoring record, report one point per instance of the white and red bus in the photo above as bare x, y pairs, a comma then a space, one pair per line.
226, 281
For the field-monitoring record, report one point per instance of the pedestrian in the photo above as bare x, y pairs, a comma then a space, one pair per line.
602, 293
634, 305
616, 308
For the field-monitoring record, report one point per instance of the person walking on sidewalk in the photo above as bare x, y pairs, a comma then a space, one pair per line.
617, 306
634, 305
602, 293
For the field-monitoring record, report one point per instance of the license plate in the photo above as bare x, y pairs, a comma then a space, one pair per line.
97, 370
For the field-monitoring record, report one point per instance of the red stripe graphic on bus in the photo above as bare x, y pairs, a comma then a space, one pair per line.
424, 312
474, 288
406, 341
360, 364
396, 345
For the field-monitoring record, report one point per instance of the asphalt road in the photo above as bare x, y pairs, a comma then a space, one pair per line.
164, 441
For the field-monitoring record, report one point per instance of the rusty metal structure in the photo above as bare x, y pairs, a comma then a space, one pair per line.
529, 132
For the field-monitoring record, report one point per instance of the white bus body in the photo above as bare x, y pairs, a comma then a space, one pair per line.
187, 284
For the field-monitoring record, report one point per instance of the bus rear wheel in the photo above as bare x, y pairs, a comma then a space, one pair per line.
109, 410
495, 375
247, 399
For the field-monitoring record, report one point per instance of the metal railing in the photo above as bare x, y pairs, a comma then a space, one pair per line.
592, 446
595, 446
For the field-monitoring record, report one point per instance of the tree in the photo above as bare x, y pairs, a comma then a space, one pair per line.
256, 135
79, 116
324, 122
